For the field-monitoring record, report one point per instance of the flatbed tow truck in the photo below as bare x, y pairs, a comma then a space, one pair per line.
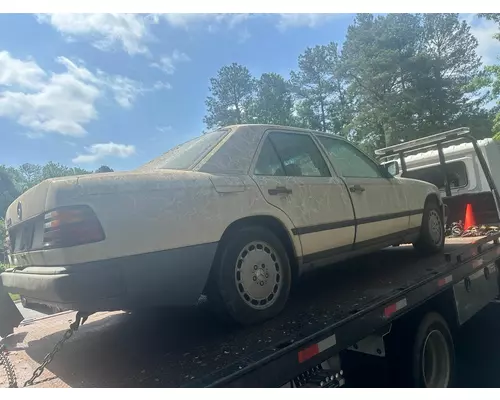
391, 305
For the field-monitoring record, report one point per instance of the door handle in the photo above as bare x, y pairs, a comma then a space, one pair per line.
279, 190
357, 189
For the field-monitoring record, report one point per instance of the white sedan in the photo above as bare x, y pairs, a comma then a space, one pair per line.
237, 214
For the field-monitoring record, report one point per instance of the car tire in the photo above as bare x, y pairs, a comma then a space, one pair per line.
24, 302
251, 278
431, 238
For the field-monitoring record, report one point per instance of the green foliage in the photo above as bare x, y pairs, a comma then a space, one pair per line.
398, 77
103, 168
15, 181
273, 101
320, 88
231, 96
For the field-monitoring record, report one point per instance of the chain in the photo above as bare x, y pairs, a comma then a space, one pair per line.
9, 369
49, 357
11, 376
79, 320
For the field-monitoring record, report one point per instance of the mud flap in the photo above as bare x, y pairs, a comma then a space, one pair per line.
10, 316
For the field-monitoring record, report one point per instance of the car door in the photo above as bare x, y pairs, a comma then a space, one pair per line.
294, 176
379, 202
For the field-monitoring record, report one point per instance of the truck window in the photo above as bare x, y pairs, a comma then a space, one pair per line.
457, 175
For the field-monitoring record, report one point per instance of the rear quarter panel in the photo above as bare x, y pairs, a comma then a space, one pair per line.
159, 214
416, 193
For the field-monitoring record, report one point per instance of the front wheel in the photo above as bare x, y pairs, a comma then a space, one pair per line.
251, 280
431, 239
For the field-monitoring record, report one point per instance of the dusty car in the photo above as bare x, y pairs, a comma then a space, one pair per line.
237, 214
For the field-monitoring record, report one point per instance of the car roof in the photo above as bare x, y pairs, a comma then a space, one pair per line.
274, 126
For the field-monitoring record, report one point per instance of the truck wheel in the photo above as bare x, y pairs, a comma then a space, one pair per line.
421, 353
433, 358
252, 278
431, 238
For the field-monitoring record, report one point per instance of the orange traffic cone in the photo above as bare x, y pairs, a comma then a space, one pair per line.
470, 220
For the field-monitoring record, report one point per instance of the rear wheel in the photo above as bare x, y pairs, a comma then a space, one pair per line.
252, 277
431, 238
433, 353
423, 355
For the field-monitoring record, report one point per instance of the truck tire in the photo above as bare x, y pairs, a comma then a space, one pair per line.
431, 238
251, 278
423, 355
433, 357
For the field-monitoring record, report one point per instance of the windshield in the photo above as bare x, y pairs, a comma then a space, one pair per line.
186, 155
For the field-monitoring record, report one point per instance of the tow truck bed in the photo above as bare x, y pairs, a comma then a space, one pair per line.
329, 311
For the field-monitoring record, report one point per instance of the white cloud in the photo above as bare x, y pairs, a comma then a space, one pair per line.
131, 32
488, 47
59, 102
15, 72
169, 63
287, 21
100, 151
209, 21
105, 31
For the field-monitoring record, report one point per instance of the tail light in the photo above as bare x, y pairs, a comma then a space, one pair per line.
71, 226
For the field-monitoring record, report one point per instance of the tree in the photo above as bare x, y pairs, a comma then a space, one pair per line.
454, 65
231, 96
493, 72
412, 75
8, 192
320, 89
103, 168
379, 58
273, 101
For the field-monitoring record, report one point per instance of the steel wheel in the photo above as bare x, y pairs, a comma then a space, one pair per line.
435, 227
258, 275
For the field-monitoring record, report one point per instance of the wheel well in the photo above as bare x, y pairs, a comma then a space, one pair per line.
271, 223
432, 197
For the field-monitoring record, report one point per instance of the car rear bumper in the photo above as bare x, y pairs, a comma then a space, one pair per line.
167, 278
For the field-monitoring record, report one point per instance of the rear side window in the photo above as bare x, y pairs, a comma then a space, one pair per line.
291, 154
236, 153
348, 160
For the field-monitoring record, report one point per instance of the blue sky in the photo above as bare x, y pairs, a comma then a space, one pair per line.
93, 89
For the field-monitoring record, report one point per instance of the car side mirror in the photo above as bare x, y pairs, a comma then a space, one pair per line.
391, 168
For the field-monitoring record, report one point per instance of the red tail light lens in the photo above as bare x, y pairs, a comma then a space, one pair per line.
71, 226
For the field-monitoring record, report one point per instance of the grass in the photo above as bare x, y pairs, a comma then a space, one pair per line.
14, 297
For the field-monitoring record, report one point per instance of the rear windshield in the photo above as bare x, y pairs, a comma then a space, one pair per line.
186, 155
